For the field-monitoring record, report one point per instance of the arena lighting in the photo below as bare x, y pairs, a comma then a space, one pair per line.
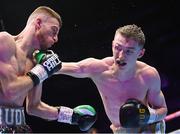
172, 116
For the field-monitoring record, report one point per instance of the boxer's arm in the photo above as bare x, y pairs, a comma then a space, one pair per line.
36, 107
155, 96
84, 68
84, 115
14, 86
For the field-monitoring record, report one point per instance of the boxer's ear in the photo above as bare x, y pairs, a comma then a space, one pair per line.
38, 23
141, 53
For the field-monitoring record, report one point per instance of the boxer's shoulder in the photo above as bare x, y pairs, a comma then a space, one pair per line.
7, 44
108, 60
5, 37
146, 71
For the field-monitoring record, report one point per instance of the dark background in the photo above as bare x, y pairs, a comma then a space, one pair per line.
88, 29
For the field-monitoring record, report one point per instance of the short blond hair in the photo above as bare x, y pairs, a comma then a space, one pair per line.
46, 11
134, 32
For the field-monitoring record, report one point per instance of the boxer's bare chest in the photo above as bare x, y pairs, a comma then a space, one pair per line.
115, 92
20, 62
17, 65
112, 87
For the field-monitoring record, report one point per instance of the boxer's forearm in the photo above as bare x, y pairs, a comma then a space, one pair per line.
72, 69
161, 113
83, 115
43, 111
68, 68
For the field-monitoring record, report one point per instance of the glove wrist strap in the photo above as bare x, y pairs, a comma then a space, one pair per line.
65, 115
153, 115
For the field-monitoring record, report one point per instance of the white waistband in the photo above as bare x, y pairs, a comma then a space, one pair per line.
12, 116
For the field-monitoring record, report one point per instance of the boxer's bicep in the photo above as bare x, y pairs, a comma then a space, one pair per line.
155, 95
34, 97
156, 98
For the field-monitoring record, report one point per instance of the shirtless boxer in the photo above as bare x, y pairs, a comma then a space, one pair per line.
21, 75
122, 77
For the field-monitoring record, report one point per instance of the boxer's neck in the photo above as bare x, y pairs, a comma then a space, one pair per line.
124, 75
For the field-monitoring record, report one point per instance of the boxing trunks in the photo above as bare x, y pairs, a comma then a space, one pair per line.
12, 120
155, 128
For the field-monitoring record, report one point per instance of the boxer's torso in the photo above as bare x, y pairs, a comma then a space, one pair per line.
14, 62
115, 92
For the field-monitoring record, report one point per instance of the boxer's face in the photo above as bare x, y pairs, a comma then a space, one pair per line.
48, 33
126, 51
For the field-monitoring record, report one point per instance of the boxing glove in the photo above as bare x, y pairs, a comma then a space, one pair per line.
135, 114
47, 64
84, 116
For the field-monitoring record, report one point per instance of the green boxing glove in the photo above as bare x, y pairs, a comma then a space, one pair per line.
47, 64
84, 116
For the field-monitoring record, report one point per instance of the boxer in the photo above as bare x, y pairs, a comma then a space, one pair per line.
122, 76
21, 76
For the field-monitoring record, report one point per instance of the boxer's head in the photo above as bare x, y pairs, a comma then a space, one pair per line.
47, 24
128, 45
